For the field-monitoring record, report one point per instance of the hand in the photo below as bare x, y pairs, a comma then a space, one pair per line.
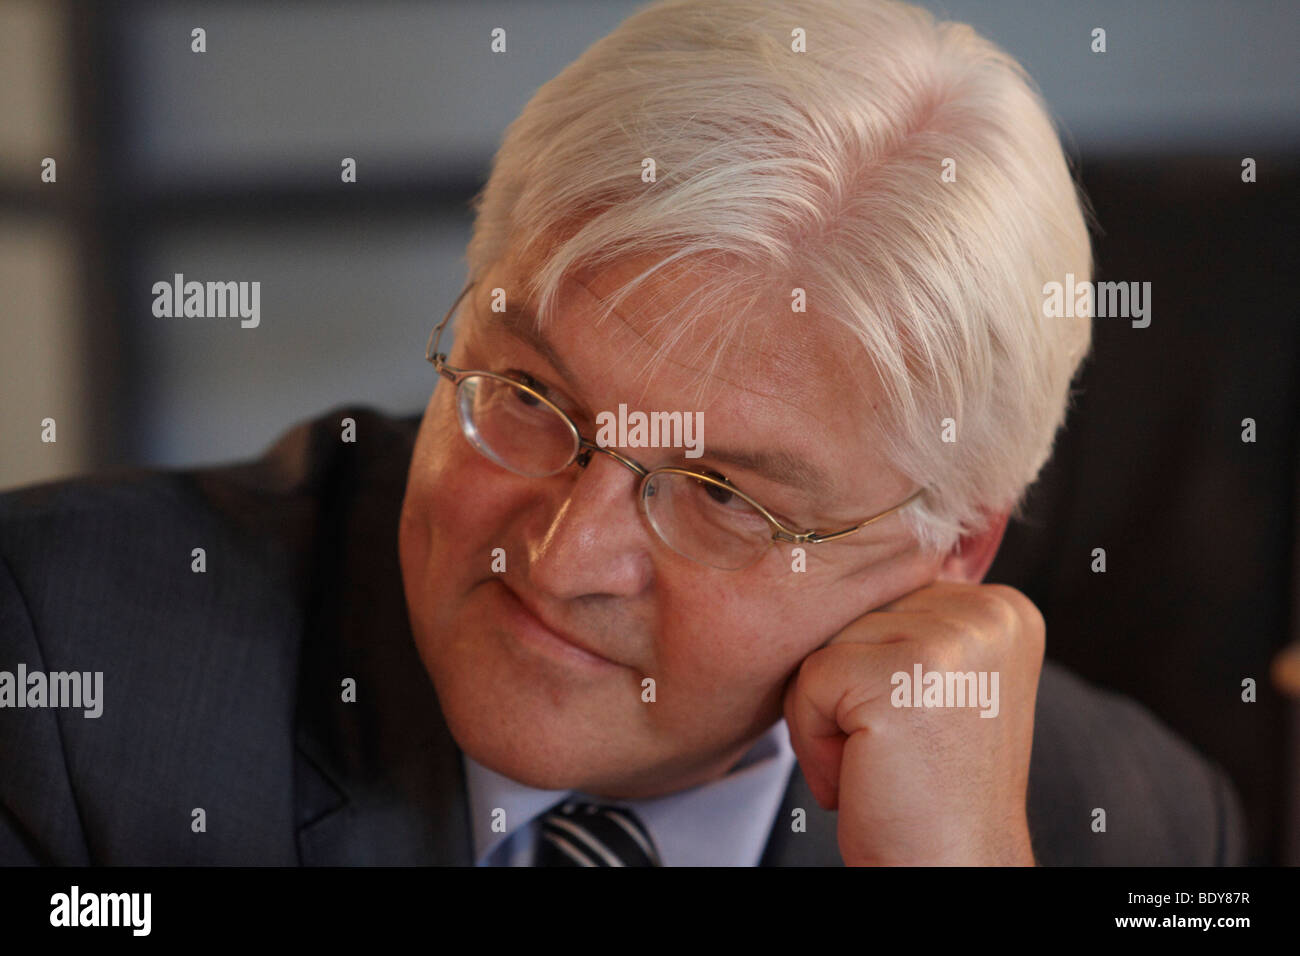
924, 785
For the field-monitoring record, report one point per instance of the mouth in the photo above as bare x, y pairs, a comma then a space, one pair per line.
533, 630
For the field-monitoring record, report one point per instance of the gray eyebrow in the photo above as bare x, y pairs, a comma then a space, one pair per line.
781, 466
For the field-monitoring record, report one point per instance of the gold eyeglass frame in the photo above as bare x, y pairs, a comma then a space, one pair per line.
583, 449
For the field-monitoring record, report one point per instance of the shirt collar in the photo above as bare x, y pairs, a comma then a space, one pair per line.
724, 822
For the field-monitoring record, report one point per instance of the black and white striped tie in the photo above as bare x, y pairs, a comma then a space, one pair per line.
589, 834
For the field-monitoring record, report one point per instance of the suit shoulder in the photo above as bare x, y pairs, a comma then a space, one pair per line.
265, 506
131, 556
1101, 757
297, 462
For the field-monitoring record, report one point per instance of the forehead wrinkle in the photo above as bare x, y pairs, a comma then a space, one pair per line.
662, 356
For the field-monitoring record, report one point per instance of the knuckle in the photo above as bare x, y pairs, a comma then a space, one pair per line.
943, 653
1014, 612
818, 666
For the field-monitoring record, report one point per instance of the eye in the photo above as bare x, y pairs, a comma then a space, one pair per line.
721, 495
552, 395
732, 502
523, 378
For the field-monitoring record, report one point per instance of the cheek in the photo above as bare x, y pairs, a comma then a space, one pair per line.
455, 506
733, 640
736, 642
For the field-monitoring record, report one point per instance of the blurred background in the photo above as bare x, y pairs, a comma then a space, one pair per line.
225, 165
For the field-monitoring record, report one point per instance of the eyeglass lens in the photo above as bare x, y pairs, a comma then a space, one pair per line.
697, 519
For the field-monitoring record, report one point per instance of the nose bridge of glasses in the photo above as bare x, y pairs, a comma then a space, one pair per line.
587, 447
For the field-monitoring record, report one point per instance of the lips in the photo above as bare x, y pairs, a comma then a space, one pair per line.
528, 608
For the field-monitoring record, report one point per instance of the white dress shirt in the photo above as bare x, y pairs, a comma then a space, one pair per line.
725, 822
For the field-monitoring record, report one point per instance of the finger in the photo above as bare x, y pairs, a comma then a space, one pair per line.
953, 611
936, 593
819, 757
994, 606
891, 627
835, 693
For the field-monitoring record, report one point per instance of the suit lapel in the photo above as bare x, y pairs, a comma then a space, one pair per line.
378, 780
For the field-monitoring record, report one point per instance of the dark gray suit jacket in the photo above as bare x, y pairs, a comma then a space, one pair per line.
222, 689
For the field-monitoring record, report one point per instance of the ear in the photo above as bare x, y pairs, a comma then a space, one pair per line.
969, 559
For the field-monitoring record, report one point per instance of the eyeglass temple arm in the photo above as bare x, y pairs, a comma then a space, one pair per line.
431, 353
835, 535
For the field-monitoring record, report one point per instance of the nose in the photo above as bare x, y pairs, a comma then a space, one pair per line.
596, 543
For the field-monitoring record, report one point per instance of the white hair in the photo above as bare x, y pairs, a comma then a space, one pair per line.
823, 170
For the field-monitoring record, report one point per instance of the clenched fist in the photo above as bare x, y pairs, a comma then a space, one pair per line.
918, 776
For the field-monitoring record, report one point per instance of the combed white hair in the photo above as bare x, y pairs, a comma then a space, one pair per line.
822, 170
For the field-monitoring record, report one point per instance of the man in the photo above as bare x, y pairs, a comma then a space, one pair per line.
805, 243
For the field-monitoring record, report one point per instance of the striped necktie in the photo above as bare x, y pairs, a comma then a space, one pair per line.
589, 834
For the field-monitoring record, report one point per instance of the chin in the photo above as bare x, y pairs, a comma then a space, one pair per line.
553, 771
526, 747
515, 722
